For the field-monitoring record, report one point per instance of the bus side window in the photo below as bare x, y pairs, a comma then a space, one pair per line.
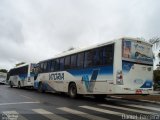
57, 65
45, 67
80, 60
73, 61
49, 65
41, 67
61, 63
52, 65
108, 53
88, 58
67, 62
96, 57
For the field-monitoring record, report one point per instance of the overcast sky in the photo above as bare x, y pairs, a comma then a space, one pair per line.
33, 30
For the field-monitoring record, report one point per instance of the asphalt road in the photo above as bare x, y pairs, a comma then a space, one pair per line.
24, 104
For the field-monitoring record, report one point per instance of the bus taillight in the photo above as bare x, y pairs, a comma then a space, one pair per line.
119, 78
138, 91
29, 79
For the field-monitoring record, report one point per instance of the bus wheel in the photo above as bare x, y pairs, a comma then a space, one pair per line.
10, 83
100, 97
72, 91
40, 88
19, 84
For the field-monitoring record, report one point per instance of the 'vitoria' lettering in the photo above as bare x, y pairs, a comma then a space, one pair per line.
56, 76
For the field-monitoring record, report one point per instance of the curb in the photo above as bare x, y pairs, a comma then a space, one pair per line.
134, 100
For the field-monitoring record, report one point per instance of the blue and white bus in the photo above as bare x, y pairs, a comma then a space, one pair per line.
122, 66
3, 78
22, 76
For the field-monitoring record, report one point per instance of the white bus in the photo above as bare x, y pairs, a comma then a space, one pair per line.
3, 78
22, 76
122, 66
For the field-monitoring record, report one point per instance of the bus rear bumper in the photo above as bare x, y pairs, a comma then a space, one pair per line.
139, 91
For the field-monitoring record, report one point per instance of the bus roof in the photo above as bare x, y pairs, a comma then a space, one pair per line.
136, 39
23, 65
78, 50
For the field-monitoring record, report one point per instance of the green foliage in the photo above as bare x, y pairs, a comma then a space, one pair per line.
156, 74
3, 70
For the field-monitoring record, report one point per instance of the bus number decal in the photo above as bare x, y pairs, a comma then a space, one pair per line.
56, 76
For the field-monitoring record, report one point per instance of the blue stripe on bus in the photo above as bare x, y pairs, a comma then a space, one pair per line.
22, 76
105, 70
90, 83
147, 84
126, 66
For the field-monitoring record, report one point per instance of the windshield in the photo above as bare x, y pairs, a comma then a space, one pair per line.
137, 51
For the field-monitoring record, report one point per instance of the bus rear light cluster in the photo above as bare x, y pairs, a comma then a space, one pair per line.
29, 79
119, 77
138, 91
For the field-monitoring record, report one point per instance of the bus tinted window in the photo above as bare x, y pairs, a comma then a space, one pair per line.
45, 67
57, 65
53, 65
22, 70
61, 63
96, 57
107, 55
88, 58
73, 61
49, 66
41, 67
80, 59
67, 62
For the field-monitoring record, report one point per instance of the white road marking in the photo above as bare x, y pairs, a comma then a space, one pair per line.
48, 114
127, 109
12, 115
144, 107
17, 103
102, 110
108, 111
81, 114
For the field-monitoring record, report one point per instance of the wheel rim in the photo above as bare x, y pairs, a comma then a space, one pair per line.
73, 91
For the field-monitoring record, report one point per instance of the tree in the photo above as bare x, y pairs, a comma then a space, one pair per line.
155, 41
156, 79
156, 76
3, 70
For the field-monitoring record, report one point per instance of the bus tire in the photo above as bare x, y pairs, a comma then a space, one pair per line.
72, 91
40, 87
10, 83
19, 84
100, 97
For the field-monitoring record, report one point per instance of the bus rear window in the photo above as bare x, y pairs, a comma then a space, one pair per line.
136, 51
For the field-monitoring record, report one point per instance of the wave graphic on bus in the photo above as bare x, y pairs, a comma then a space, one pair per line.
90, 83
